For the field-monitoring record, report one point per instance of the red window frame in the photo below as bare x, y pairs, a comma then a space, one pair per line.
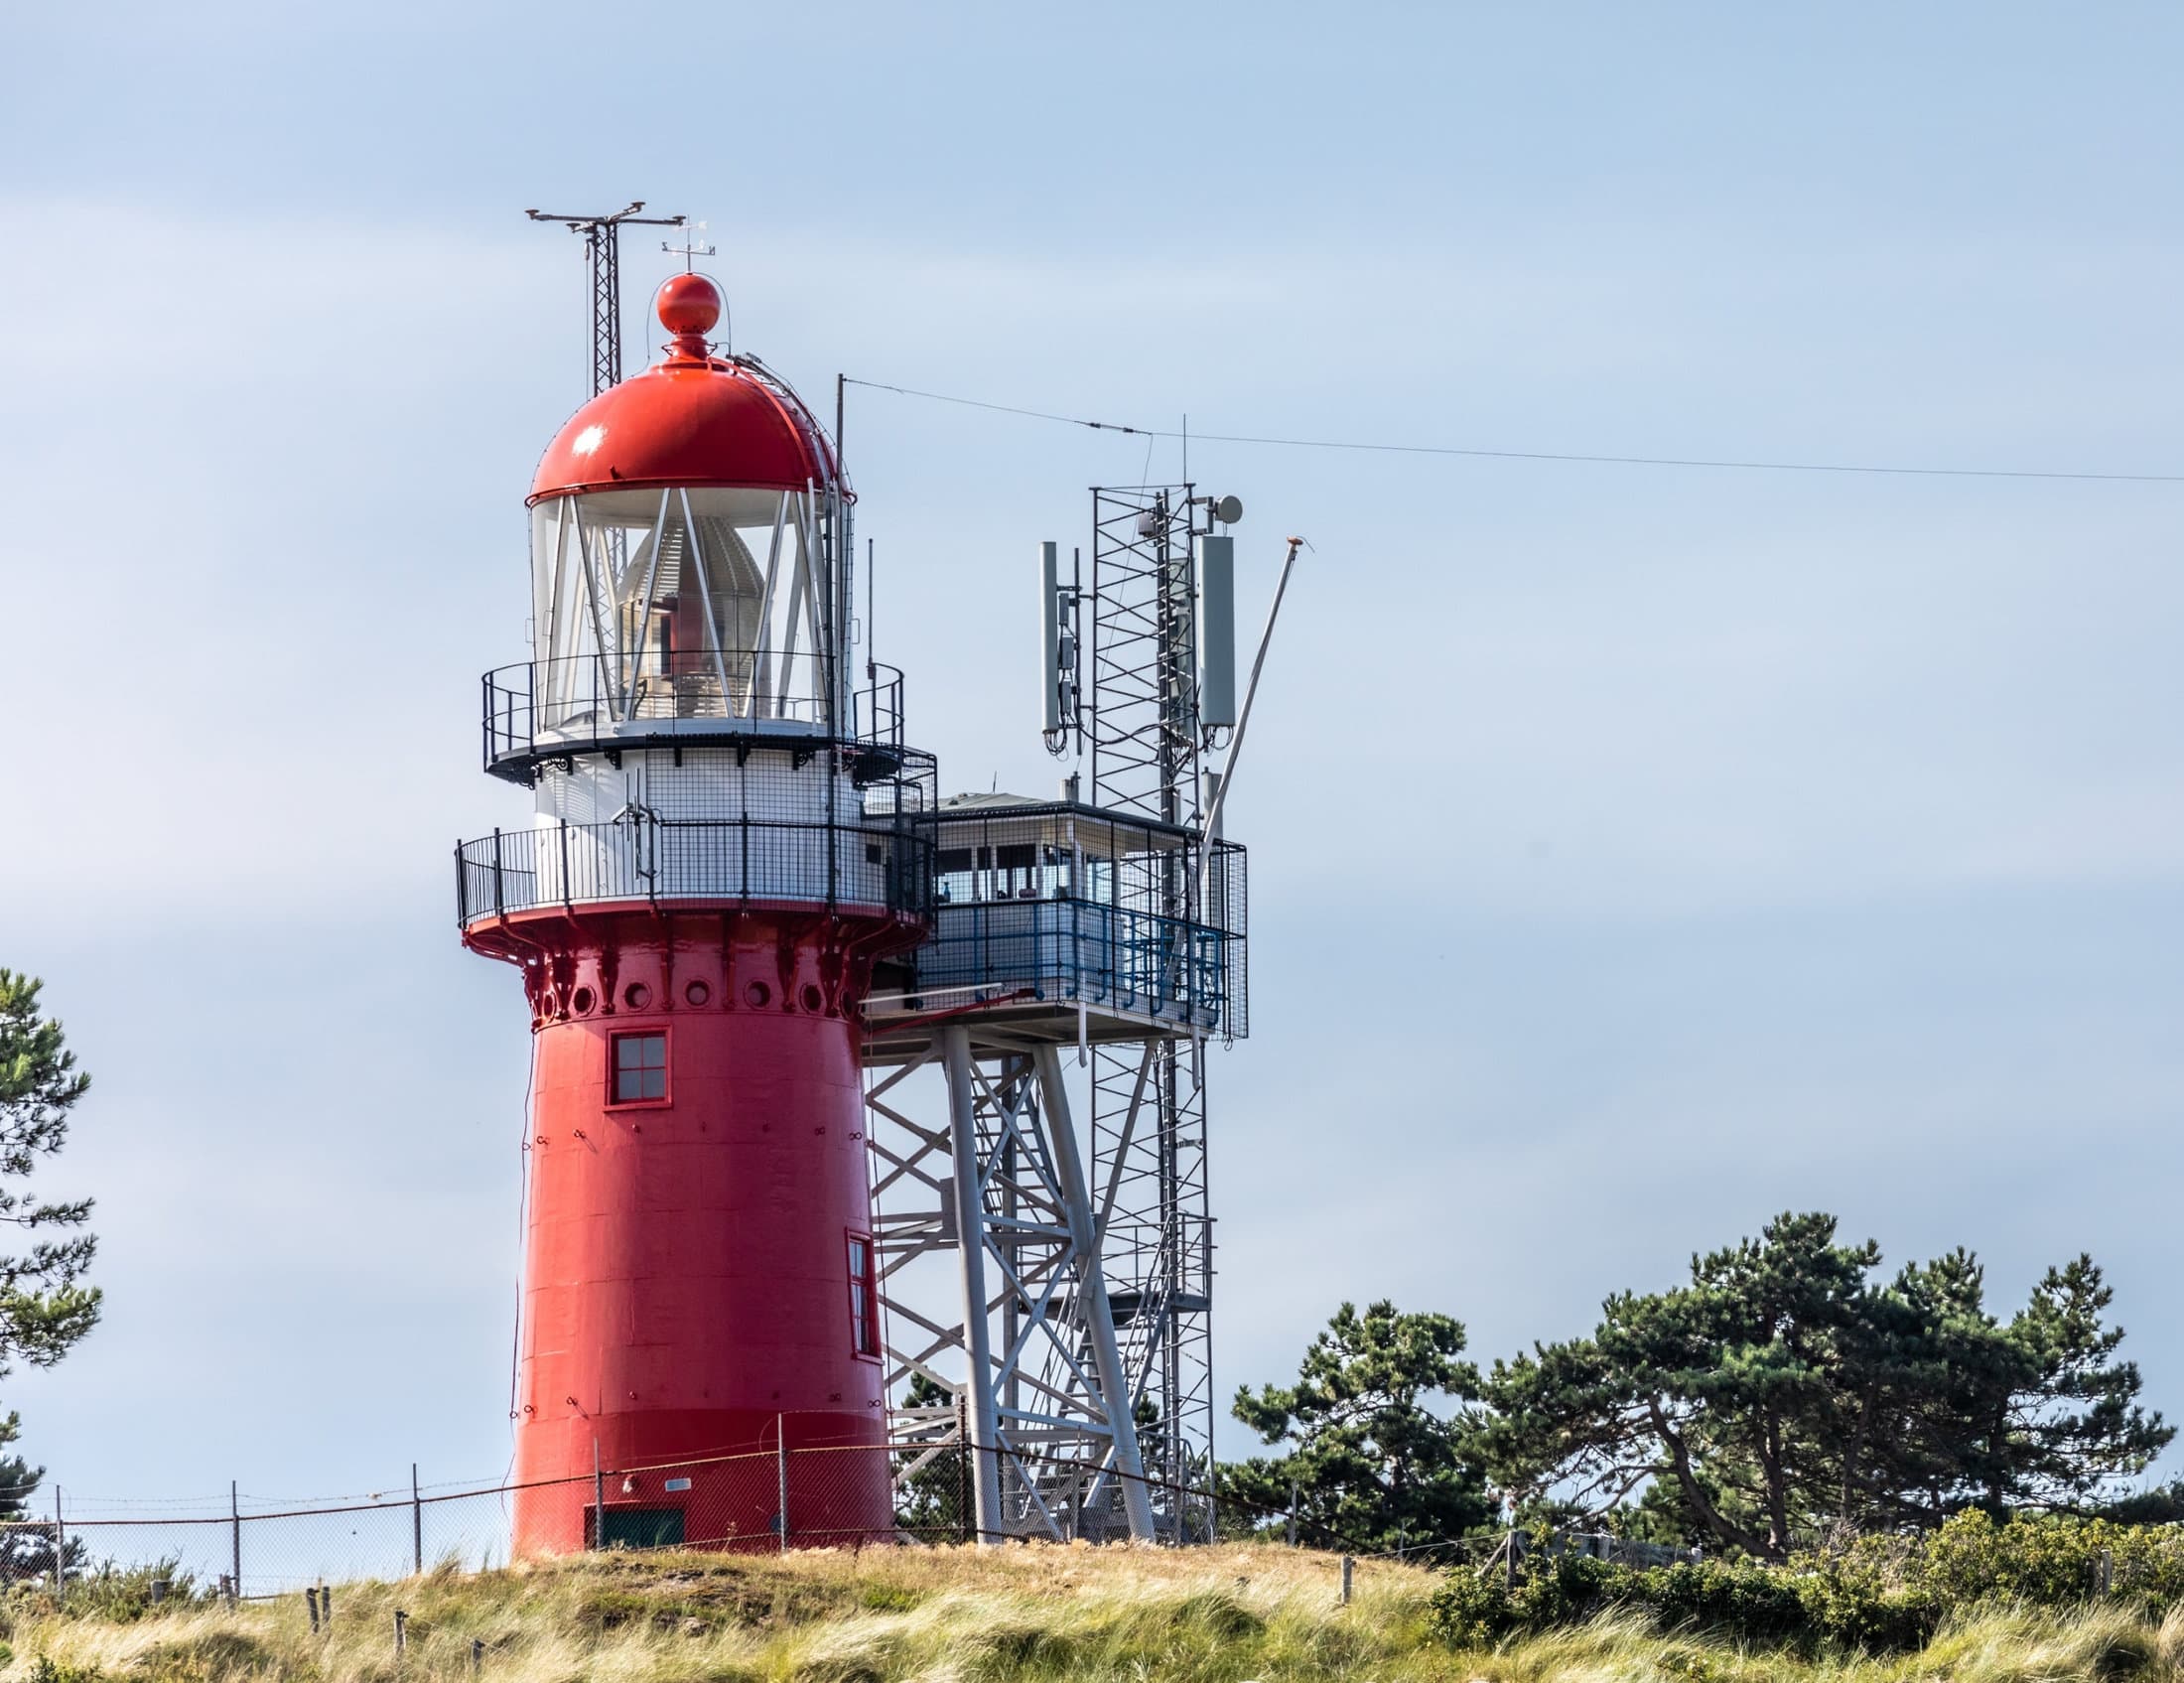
614, 1044
864, 1296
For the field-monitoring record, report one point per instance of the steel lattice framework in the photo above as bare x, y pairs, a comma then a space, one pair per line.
1047, 1302
603, 252
1002, 1189
1149, 1110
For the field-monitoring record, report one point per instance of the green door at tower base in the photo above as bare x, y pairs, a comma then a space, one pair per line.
635, 1528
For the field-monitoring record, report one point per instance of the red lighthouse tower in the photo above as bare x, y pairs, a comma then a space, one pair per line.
723, 846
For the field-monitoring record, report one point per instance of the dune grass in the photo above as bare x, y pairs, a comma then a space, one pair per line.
1231, 1614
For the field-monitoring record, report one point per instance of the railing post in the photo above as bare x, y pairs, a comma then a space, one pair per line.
501, 905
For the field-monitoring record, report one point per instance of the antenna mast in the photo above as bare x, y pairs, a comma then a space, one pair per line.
603, 247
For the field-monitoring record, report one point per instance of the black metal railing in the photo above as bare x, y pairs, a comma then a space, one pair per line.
644, 858
587, 703
1061, 949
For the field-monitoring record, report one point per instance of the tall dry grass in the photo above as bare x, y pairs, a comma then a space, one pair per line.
1231, 1614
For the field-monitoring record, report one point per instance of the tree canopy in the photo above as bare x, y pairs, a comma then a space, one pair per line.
1371, 1463
1787, 1387
45, 1308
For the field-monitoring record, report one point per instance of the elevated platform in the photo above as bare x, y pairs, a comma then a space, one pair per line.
1060, 922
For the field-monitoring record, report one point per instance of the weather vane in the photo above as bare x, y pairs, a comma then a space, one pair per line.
689, 250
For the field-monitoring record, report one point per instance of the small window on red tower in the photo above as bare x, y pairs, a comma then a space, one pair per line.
864, 1300
640, 1067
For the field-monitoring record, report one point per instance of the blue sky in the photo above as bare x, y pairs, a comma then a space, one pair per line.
1636, 852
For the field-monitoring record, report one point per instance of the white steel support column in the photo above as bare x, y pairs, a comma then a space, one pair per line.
1092, 1283
970, 1210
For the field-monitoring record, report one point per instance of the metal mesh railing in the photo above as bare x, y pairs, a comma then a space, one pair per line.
587, 703
642, 857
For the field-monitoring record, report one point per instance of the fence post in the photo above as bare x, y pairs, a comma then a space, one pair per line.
599, 1500
401, 1631
1348, 1564
234, 1537
59, 1551
311, 1600
326, 1605
1509, 1560
417, 1521
1292, 1513
781, 1465
477, 1655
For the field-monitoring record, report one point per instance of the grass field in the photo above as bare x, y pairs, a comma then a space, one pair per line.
1223, 1616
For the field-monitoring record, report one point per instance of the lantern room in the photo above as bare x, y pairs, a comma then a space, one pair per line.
690, 561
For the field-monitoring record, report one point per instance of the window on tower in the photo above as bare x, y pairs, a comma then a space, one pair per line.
864, 1298
639, 1067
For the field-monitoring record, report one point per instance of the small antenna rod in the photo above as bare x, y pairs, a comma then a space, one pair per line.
603, 247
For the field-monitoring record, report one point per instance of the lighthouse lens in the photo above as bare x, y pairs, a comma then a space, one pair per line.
676, 604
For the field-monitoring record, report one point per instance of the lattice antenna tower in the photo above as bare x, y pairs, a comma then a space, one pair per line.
603, 249
1140, 713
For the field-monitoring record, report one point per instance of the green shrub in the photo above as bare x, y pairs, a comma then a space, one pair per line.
1734, 1597
124, 1593
1877, 1593
1471, 1611
2055, 1561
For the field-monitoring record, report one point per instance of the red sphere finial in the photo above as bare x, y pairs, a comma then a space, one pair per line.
689, 305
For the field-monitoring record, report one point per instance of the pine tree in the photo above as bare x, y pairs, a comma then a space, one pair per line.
45, 1308
1786, 1390
1372, 1465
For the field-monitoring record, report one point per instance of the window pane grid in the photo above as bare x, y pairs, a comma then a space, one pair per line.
640, 1067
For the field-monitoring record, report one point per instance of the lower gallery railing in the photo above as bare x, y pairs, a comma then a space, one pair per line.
643, 858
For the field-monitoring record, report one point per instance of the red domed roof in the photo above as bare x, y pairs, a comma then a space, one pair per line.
693, 419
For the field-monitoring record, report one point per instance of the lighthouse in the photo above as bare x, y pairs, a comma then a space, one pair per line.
726, 841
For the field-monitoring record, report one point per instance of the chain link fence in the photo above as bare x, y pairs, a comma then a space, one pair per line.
243, 1547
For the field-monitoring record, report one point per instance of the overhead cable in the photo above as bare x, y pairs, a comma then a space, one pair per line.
1566, 456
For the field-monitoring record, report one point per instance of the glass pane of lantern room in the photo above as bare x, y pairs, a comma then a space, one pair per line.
675, 604
757, 602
